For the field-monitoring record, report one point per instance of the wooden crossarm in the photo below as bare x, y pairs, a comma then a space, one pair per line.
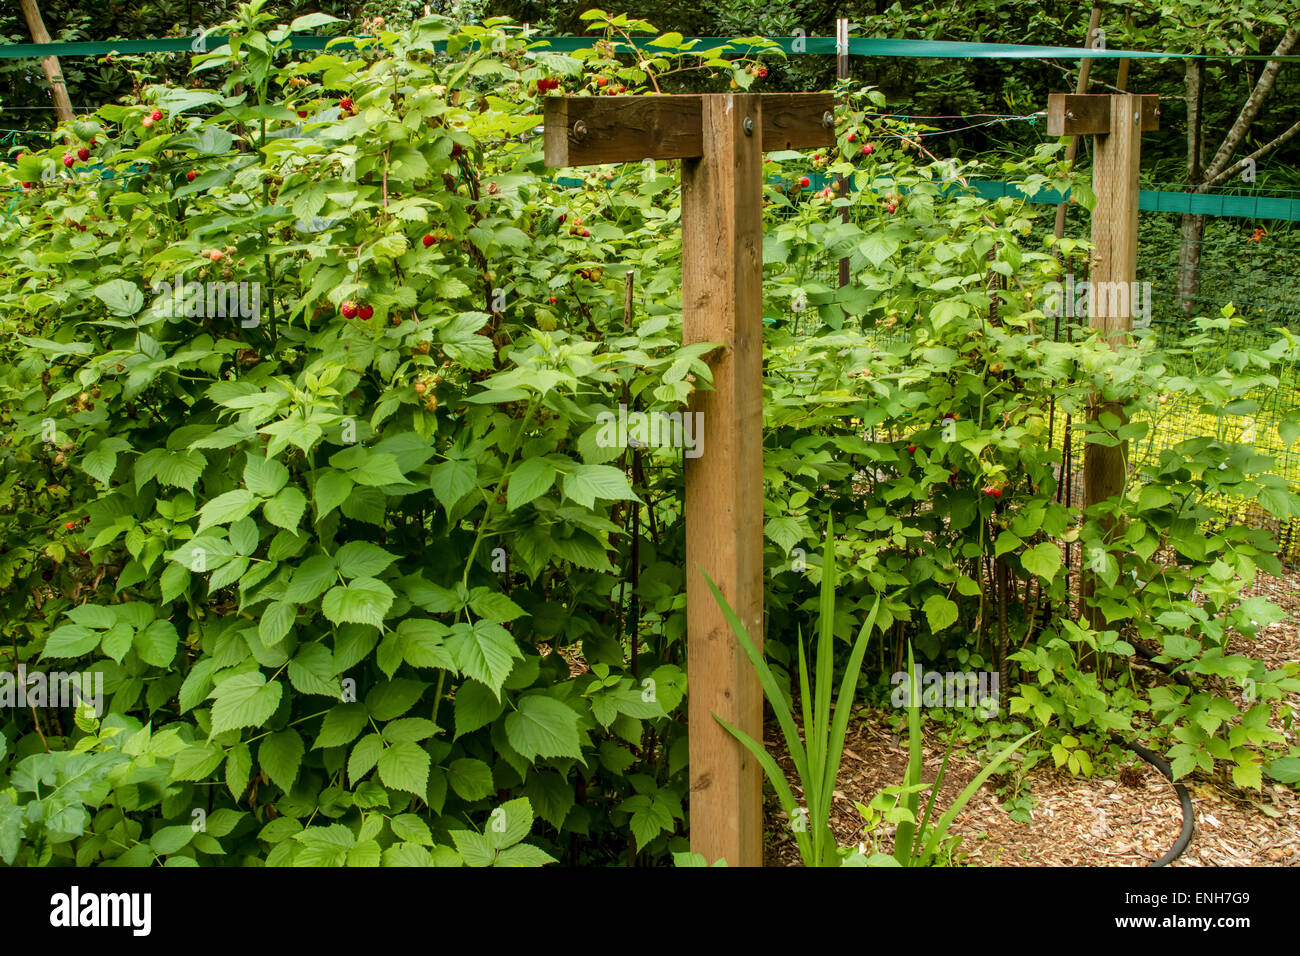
1073, 114
590, 130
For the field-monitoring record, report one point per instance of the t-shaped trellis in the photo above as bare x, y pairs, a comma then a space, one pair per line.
1116, 122
720, 139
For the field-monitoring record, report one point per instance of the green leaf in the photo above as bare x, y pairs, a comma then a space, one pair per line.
422, 644
226, 508
239, 768
361, 559
364, 756
405, 766
393, 698
100, 464
1043, 560
244, 700
586, 483
332, 488
122, 297
196, 761
452, 480
470, 778
285, 510
543, 727
171, 839
72, 640
1247, 773
157, 643
509, 823
484, 651
264, 476
311, 579
475, 706
939, 612
280, 756
531, 479
362, 601
277, 621
474, 848
1285, 770
378, 469
523, 854
786, 532
494, 606
341, 725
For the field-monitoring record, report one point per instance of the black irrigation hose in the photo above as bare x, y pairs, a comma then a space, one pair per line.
1189, 815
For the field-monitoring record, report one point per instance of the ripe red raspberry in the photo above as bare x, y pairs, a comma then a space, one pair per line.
68, 160
346, 104
83, 154
156, 115
349, 309
428, 240
804, 182
365, 312
911, 448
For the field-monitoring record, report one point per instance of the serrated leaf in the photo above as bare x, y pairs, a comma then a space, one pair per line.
341, 725
239, 768
226, 508
405, 766
157, 643
277, 621
532, 478
452, 480
1043, 560
361, 559
475, 706
586, 483
72, 640
244, 700
484, 651
280, 756
332, 488
939, 612
264, 476
364, 756
285, 510
470, 778
361, 601
543, 727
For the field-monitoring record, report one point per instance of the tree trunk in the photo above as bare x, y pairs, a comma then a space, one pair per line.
1193, 227
1200, 177
53, 73
1189, 262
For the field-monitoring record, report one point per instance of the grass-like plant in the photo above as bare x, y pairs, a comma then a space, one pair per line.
918, 844
818, 763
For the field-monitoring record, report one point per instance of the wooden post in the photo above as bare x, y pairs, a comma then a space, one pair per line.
53, 73
1116, 122
722, 301
720, 139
